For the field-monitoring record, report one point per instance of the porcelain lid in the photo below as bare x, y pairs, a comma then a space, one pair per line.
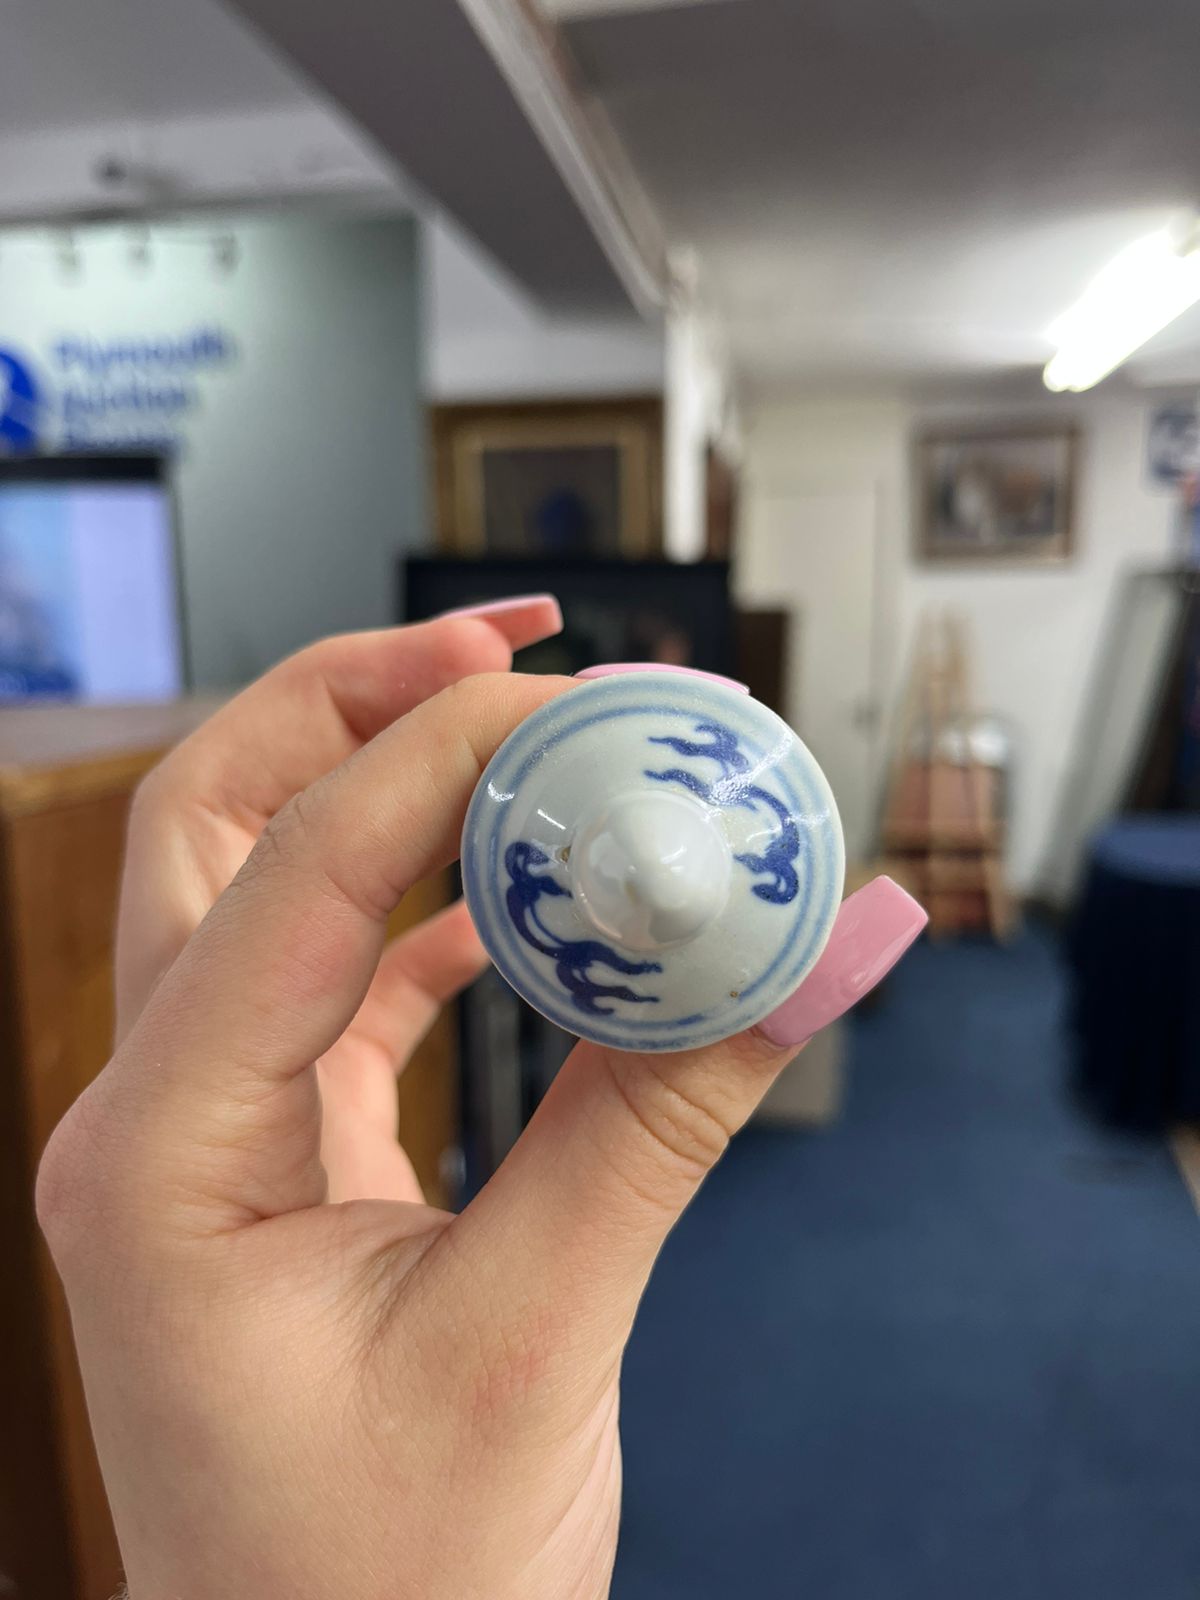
654, 861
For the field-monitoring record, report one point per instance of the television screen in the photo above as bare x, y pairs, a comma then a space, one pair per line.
89, 601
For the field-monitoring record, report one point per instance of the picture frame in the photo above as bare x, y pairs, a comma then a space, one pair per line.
1004, 496
1173, 443
543, 479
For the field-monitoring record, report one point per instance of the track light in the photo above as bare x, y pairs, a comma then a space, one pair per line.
66, 252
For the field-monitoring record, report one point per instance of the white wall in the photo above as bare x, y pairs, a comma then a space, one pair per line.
698, 412
300, 474
1033, 632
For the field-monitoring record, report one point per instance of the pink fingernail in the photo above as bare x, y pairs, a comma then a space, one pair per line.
874, 928
659, 666
498, 608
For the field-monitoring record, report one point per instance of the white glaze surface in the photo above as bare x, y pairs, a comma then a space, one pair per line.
651, 868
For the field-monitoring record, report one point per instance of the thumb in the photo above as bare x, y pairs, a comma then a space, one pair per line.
579, 1210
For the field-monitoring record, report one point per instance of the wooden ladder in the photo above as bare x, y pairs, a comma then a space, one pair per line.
943, 831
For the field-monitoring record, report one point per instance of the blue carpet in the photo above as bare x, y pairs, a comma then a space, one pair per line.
948, 1348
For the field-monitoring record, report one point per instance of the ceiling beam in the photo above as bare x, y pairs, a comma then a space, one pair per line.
475, 101
568, 10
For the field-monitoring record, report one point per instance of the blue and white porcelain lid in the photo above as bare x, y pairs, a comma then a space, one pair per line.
653, 860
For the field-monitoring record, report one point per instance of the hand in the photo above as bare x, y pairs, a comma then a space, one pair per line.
304, 1383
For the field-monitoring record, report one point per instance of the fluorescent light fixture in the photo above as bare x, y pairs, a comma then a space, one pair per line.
1143, 288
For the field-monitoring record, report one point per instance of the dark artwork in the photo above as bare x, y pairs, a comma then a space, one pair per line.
664, 611
1003, 497
1173, 443
555, 501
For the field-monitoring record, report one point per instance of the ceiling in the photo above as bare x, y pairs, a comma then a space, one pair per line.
904, 190
65, 64
880, 191
423, 79
257, 99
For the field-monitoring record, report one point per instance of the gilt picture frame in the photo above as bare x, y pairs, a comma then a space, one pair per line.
542, 479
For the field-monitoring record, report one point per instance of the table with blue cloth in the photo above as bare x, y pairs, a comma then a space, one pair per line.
1135, 958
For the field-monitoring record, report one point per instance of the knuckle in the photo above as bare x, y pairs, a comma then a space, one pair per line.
304, 680
52, 1189
474, 696
69, 1180
480, 710
295, 825
301, 664
686, 1134
301, 838
466, 696
463, 711
148, 794
463, 646
288, 832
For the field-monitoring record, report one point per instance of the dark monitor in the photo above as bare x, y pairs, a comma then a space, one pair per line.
89, 581
677, 613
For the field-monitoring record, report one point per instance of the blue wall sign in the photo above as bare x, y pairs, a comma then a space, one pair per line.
125, 393
20, 405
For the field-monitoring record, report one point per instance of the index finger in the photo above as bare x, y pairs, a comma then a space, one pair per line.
217, 1083
199, 813
315, 708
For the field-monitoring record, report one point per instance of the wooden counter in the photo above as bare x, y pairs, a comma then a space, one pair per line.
66, 777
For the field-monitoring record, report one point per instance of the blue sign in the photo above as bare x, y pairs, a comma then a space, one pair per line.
20, 405
102, 394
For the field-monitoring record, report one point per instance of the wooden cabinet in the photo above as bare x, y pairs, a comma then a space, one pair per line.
66, 777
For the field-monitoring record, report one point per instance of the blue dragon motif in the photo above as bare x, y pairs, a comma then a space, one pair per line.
733, 788
572, 957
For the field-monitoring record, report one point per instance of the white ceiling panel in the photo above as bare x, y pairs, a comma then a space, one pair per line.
902, 187
71, 63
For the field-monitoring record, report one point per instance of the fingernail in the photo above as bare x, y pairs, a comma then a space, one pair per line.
498, 608
874, 928
618, 667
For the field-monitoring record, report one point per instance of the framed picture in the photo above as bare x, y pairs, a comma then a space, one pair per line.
1173, 442
550, 478
1002, 496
